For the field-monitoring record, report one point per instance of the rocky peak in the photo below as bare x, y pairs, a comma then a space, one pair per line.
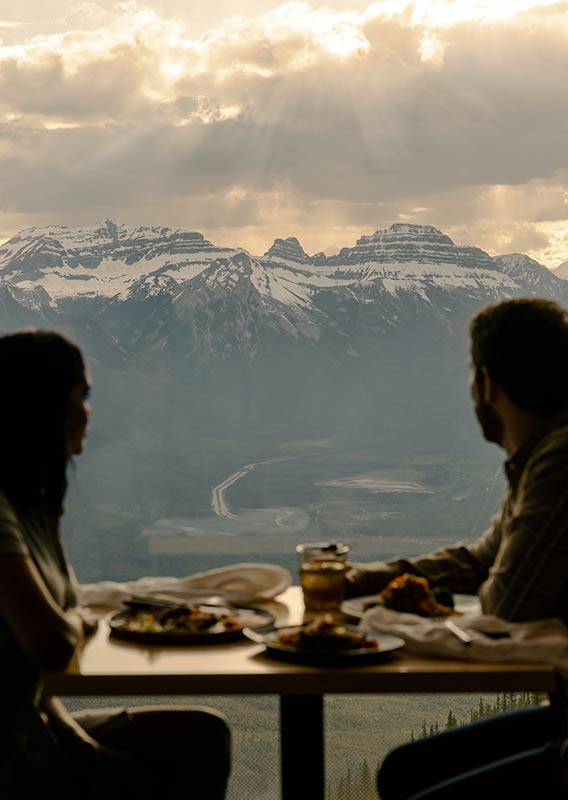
528, 272
509, 262
518, 264
112, 230
288, 249
226, 274
404, 243
403, 231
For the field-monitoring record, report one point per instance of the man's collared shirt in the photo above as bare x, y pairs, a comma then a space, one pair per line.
519, 566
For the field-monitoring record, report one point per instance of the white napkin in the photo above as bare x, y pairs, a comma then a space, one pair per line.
238, 583
542, 640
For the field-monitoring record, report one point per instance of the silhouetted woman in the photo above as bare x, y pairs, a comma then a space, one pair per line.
45, 751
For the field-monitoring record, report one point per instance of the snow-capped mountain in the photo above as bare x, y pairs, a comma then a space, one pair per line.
103, 260
173, 291
112, 261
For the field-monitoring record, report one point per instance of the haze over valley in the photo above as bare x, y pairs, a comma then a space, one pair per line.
243, 403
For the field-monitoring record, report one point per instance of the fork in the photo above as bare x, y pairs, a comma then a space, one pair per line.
163, 601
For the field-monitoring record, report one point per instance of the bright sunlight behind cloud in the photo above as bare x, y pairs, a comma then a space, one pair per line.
303, 120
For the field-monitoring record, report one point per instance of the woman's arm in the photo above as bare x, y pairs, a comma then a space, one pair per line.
46, 633
63, 722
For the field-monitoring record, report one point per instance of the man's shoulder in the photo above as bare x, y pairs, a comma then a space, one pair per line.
556, 440
552, 449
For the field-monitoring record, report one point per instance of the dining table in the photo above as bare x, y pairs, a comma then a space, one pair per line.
106, 665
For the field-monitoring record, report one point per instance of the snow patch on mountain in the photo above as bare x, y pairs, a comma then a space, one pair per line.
417, 276
110, 277
148, 287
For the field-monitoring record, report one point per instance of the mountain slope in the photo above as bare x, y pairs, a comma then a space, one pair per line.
562, 271
532, 276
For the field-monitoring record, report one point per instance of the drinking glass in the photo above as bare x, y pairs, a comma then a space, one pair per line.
322, 567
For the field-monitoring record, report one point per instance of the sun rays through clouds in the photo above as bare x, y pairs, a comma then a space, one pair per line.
321, 121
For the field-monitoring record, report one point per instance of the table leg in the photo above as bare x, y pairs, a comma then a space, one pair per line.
302, 747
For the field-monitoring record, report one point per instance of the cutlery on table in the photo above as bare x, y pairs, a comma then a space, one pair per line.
458, 632
162, 601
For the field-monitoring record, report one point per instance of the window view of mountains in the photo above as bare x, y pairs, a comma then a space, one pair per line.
243, 403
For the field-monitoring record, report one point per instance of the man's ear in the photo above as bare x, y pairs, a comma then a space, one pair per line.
489, 388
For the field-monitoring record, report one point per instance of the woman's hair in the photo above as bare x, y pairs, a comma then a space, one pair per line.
38, 370
523, 344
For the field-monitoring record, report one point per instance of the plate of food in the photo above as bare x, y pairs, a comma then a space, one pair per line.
163, 624
324, 641
413, 595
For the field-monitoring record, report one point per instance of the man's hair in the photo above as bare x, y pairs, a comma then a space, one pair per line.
523, 345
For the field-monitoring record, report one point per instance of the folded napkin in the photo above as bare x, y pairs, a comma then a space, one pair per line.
542, 640
238, 583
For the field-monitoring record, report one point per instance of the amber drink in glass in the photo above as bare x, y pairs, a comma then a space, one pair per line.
322, 568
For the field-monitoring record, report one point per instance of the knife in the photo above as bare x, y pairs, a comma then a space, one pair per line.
460, 634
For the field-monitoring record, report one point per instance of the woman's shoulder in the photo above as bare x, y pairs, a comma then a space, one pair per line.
7, 507
12, 539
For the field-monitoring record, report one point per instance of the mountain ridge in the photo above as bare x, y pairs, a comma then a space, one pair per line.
158, 290
109, 260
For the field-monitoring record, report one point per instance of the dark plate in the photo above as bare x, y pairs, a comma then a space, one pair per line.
248, 616
268, 636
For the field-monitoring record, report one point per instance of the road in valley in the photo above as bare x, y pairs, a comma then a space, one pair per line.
218, 500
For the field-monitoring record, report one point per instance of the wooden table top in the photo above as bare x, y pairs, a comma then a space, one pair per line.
108, 666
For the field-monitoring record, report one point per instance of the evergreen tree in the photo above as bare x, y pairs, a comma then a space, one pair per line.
358, 782
451, 722
367, 781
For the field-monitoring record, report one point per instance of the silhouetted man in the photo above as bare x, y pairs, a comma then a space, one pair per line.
519, 567
519, 386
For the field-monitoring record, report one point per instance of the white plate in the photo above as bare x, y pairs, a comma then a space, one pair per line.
268, 636
464, 603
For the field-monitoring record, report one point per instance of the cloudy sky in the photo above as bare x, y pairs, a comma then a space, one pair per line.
251, 119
